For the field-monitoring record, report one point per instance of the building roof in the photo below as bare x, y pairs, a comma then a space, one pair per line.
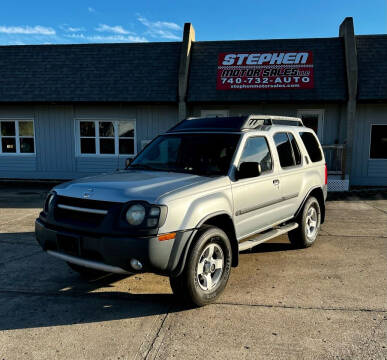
144, 72
329, 71
148, 72
372, 64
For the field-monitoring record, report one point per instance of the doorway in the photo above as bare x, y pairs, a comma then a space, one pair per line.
313, 119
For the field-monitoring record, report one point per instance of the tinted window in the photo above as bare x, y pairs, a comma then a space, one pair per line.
378, 142
211, 123
284, 149
201, 154
296, 150
312, 146
257, 150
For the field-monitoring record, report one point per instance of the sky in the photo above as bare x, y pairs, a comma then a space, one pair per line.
101, 21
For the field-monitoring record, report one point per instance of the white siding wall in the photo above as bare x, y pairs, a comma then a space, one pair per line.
55, 138
17, 165
367, 171
55, 135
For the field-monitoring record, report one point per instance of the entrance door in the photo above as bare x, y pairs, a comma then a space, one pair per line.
214, 113
313, 119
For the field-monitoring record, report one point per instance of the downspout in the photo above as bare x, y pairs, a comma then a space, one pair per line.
348, 34
185, 59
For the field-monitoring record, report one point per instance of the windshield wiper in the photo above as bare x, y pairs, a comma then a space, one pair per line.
143, 167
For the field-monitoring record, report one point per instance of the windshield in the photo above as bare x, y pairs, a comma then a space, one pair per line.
200, 154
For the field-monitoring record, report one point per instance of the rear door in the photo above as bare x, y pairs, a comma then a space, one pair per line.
291, 171
255, 198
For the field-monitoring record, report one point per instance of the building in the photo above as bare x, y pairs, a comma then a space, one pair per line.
68, 111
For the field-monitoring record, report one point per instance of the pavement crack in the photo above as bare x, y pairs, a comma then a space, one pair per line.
302, 307
376, 208
152, 345
127, 296
17, 219
353, 236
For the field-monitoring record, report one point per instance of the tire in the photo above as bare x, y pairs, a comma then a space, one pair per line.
309, 223
207, 268
85, 272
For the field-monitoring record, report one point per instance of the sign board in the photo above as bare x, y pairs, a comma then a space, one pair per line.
265, 70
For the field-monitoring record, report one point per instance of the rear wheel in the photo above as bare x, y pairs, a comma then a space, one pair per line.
207, 269
308, 225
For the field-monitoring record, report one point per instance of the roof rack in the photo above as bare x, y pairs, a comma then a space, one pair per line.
254, 121
234, 123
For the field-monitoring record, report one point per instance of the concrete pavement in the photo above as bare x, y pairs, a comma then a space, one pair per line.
325, 302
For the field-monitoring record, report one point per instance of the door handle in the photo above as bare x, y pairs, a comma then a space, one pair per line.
276, 182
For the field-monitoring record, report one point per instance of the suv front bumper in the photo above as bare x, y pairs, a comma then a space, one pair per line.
90, 250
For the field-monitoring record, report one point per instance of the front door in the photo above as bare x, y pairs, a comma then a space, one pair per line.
255, 198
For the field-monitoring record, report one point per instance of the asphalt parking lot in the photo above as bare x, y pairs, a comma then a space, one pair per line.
325, 302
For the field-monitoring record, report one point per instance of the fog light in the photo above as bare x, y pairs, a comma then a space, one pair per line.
135, 264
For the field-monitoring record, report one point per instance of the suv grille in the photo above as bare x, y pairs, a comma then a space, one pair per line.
81, 211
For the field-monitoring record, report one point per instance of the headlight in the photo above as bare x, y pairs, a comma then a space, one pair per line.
49, 202
135, 214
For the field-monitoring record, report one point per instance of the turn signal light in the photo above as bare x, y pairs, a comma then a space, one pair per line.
169, 236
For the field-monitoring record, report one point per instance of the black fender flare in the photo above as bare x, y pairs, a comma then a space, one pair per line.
298, 212
178, 269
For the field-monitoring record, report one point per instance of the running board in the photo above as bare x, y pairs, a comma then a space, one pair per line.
260, 238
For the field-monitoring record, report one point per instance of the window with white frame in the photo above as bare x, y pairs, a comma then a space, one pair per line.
106, 137
17, 137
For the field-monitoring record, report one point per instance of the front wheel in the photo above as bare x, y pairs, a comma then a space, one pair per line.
207, 269
308, 225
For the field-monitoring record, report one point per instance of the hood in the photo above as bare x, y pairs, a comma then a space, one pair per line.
127, 185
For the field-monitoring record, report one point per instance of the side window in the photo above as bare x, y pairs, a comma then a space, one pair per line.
257, 150
296, 149
99, 137
284, 149
17, 137
312, 146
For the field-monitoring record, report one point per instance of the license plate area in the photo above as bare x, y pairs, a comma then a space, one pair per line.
68, 244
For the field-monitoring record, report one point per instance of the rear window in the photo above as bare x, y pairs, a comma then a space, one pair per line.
284, 149
296, 150
312, 146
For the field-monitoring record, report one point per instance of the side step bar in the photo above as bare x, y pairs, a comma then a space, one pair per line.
260, 238
88, 263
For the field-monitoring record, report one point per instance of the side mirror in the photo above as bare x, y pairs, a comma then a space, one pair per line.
128, 161
248, 170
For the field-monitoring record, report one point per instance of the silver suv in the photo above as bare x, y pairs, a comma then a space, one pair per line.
191, 201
